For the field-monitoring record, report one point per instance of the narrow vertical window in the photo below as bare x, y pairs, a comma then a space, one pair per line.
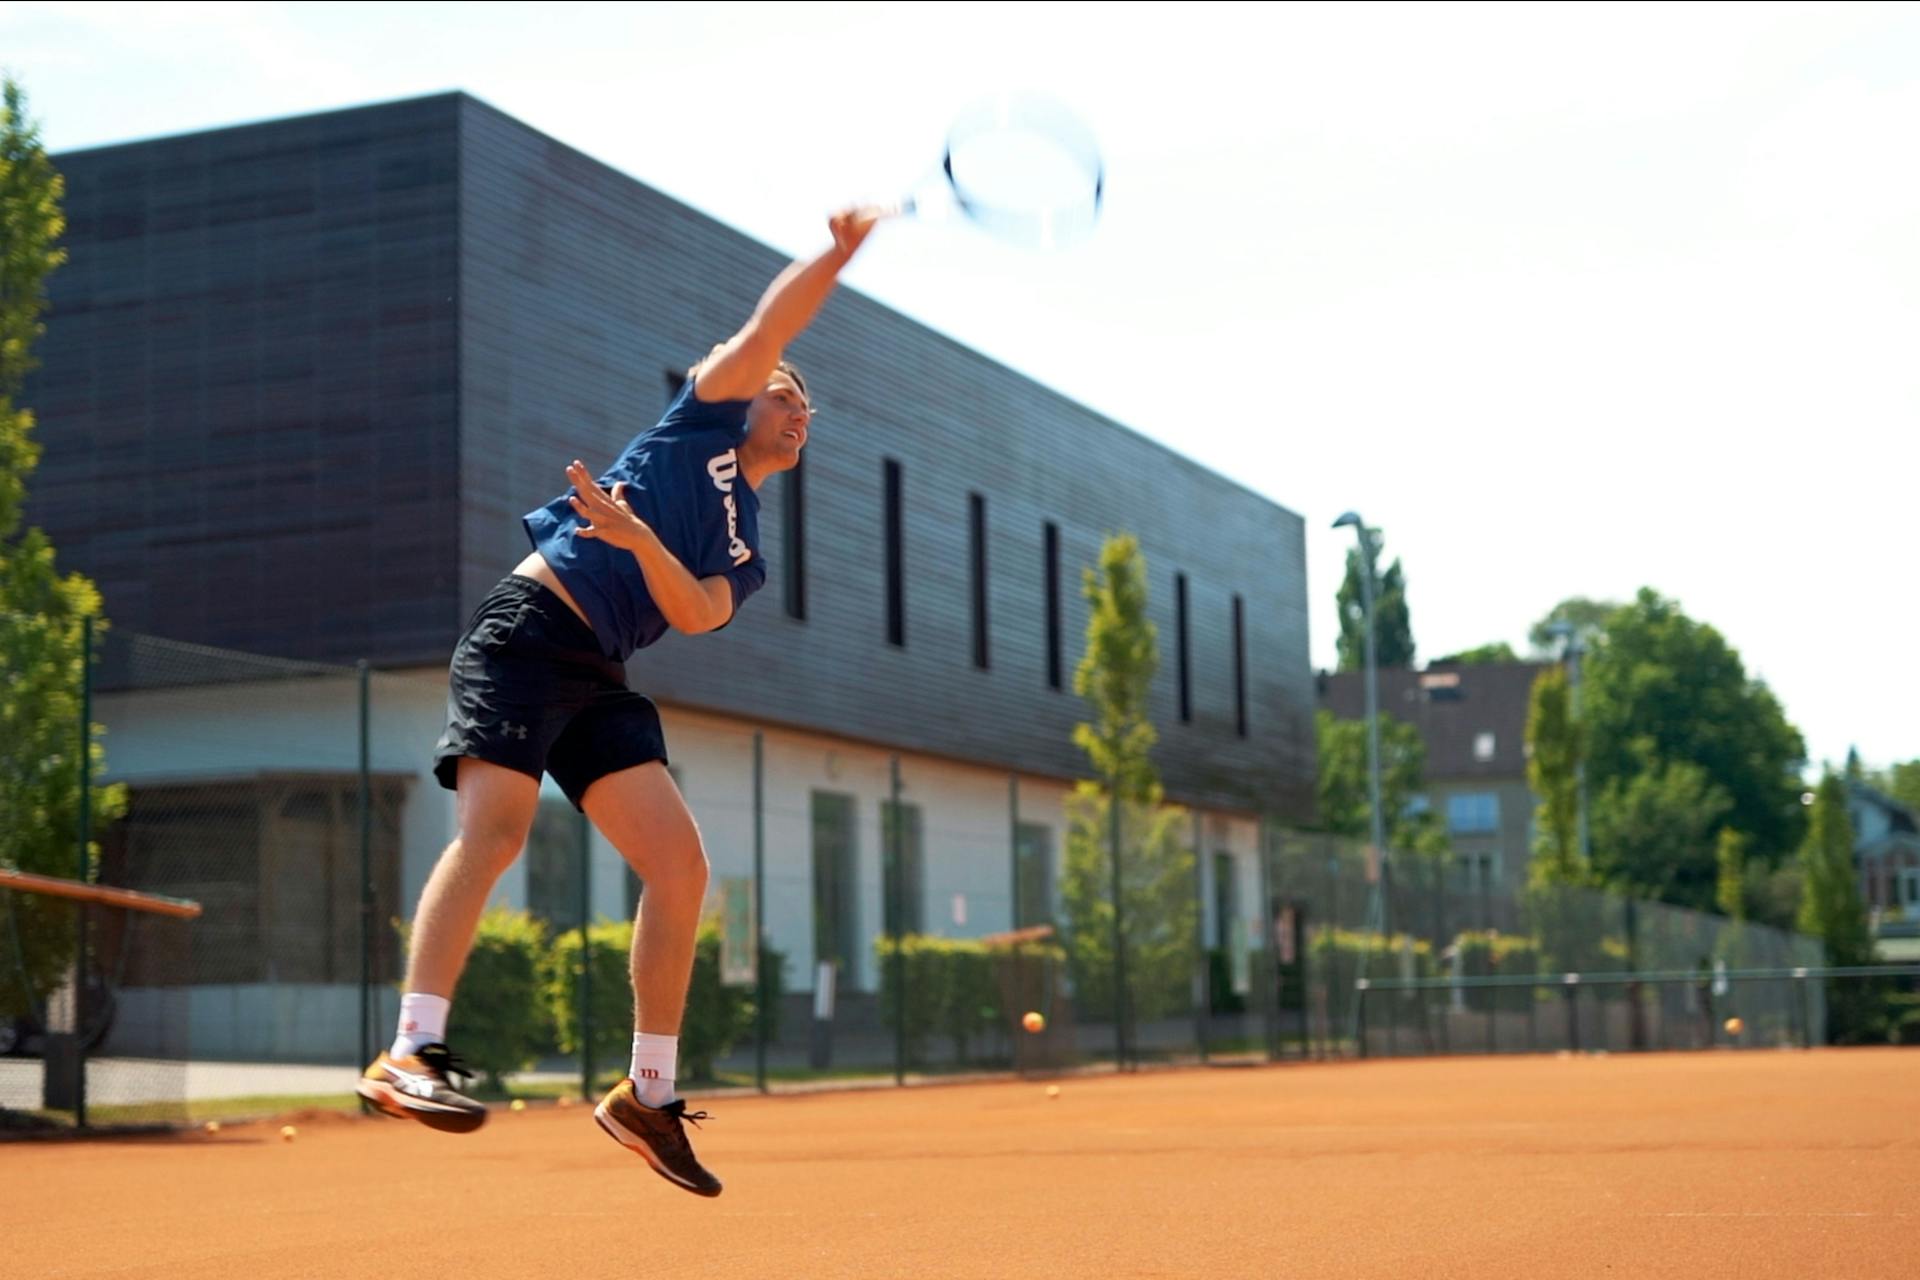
1053, 605
896, 577
1239, 667
977, 534
1181, 662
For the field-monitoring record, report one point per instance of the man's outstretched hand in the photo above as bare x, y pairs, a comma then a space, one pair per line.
608, 517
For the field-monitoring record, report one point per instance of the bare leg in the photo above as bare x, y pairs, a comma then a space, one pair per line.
495, 808
641, 813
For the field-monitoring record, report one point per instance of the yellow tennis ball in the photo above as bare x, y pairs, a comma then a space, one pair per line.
519, 1104
288, 1133
1034, 1022
212, 1127
1735, 1026
1053, 1092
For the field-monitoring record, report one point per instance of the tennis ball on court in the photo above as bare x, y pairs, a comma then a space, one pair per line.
1034, 1022
1053, 1092
212, 1127
564, 1100
1735, 1026
288, 1133
519, 1104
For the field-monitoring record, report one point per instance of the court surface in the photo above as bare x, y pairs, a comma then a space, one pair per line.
1765, 1163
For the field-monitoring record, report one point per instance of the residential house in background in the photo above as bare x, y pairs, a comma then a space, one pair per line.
1886, 853
1473, 720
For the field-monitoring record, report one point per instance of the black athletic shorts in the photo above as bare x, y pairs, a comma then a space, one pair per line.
530, 690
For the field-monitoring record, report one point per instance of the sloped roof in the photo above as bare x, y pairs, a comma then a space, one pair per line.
1451, 706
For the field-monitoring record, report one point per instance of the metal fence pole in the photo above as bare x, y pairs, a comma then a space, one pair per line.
85, 866
366, 874
1013, 847
761, 1012
1202, 966
1270, 941
586, 958
898, 898
1119, 940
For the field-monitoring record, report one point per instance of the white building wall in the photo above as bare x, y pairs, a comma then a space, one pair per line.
1239, 838
236, 731
965, 815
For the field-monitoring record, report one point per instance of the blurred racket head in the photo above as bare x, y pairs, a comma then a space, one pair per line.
1024, 168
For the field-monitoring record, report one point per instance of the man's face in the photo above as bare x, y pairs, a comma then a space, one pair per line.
777, 421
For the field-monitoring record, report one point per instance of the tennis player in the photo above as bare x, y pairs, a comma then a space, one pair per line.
667, 538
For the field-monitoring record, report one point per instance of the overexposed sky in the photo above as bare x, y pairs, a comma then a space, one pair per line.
1568, 299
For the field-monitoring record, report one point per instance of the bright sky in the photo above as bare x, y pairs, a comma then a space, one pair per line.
1567, 299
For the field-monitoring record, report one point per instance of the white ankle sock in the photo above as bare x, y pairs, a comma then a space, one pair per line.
423, 1021
654, 1059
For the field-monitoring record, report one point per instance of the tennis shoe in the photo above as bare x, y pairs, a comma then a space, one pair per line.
657, 1135
420, 1088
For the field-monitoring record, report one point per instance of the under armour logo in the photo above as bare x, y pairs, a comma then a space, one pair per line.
515, 731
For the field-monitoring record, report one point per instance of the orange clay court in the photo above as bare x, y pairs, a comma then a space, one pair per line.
1743, 1164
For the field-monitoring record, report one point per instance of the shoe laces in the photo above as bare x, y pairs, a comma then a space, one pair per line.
678, 1110
443, 1062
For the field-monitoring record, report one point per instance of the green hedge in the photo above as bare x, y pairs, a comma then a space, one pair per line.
608, 943
953, 990
500, 1020
718, 1017
1488, 953
1337, 954
518, 998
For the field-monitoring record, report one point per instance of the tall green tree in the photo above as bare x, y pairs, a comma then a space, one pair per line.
1901, 782
1832, 910
1831, 907
1156, 860
1665, 692
1656, 829
42, 613
1393, 640
1346, 806
1730, 892
1554, 751
1587, 616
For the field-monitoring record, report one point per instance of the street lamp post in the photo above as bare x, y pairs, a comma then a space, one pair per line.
1571, 635
1378, 891
1352, 519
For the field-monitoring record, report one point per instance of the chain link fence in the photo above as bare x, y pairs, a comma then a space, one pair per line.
870, 916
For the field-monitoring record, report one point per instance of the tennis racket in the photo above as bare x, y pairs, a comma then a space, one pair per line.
1021, 167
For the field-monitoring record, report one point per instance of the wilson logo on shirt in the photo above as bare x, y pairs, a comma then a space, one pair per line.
725, 469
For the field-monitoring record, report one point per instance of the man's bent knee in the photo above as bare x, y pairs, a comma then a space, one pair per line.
494, 811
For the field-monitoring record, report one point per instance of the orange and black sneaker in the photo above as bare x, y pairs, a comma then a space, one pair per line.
657, 1136
420, 1088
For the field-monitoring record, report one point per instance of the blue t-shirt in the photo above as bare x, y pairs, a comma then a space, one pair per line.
683, 478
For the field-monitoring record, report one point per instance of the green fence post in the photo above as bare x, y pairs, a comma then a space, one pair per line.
586, 959
1013, 847
83, 875
897, 897
1269, 941
366, 876
761, 1012
1202, 970
1119, 939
